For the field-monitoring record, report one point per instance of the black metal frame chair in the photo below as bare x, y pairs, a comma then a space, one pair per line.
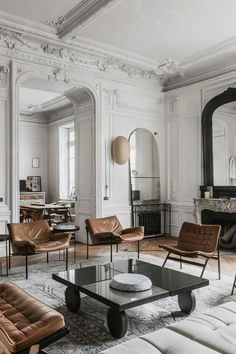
234, 285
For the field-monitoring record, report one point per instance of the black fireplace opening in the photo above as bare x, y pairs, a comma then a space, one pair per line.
227, 222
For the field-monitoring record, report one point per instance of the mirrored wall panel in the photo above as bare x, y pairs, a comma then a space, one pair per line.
144, 166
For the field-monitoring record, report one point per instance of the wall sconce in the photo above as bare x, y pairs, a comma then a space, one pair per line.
120, 150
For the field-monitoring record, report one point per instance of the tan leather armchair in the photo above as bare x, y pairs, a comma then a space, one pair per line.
195, 241
108, 230
36, 238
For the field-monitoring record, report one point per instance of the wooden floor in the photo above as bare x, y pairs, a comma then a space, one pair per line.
150, 247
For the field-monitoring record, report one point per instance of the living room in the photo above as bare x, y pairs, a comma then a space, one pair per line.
112, 68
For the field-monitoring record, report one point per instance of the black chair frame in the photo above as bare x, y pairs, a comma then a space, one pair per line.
111, 243
203, 265
47, 341
26, 254
234, 286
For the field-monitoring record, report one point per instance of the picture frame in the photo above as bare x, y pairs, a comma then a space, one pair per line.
35, 162
34, 183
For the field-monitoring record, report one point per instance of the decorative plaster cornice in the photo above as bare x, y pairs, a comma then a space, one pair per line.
85, 12
51, 105
211, 52
14, 41
37, 118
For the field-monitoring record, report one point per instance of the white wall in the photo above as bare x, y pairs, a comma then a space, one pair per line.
33, 142
125, 97
183, 108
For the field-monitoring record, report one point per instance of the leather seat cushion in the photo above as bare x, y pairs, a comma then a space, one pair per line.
54, 245
174, 249
130, 237
24, 320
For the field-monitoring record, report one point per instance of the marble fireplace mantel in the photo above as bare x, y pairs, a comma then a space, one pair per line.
215, 204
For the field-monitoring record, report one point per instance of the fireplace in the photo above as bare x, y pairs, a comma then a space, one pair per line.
218, 211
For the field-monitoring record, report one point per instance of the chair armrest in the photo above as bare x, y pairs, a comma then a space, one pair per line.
136, 229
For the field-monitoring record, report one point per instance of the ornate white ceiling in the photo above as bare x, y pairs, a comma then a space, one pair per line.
194, 33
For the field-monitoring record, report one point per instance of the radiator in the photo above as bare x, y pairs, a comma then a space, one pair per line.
151, 222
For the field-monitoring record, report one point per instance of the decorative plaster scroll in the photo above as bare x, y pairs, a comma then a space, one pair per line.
58, 75
103, 64
217, 205
3, 75
107, 93
168, 70
15, 40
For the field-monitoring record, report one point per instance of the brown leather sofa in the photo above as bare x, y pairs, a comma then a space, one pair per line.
36, 238
26, 324
108, 230
195, 241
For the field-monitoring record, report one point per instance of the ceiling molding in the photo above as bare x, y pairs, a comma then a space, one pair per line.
81, 15
212, 52
51, 105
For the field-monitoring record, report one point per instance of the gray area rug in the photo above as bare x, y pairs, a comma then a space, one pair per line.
88, 329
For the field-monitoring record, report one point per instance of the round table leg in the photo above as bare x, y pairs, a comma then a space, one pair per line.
187, 302
72, 297
117, 322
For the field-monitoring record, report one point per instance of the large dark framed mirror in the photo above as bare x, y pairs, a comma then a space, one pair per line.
219, 144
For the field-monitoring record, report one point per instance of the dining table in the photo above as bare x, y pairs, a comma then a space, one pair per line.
36, 211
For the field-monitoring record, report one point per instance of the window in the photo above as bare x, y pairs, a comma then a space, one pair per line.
67, 160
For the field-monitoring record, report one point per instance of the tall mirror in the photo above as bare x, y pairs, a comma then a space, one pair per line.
219, 144
144, 167
224, 145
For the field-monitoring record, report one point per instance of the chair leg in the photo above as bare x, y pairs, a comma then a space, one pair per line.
117, 247
234, 285
218, 260
87, 246
26, 266
111, 252
9, 255
66, 258
138, 249
47, 257
163, 265
204, 267
180, 261
74, 249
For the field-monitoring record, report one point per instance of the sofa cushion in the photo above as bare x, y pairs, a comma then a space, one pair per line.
211, 333
134, 346
163, 341
215, 329
168, 342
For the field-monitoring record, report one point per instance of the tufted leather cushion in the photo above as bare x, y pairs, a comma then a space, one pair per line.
211, 333
24, 321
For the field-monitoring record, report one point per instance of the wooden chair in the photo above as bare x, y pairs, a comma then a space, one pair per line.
108, 230
195, 241
36, 238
